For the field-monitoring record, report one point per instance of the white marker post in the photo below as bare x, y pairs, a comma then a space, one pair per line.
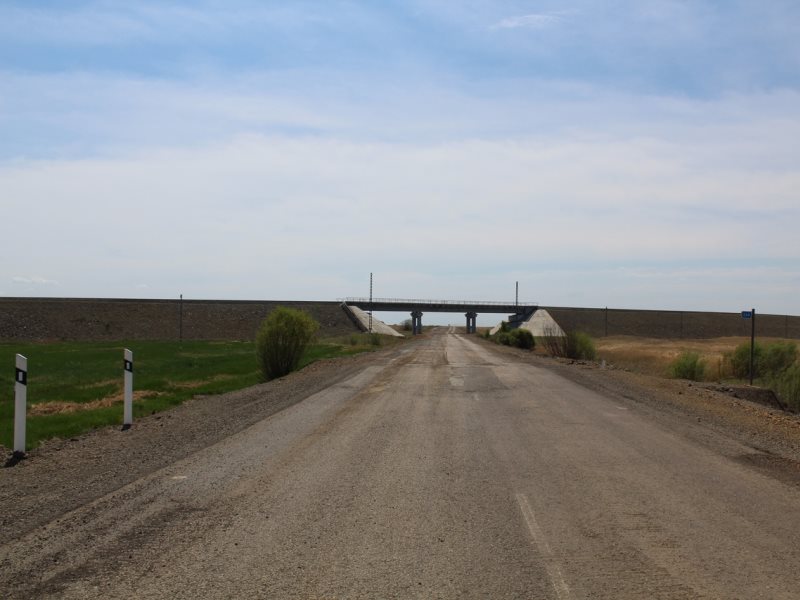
20, 404
127, 417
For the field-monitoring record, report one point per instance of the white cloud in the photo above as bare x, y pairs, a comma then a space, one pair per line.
35, 280
530, 21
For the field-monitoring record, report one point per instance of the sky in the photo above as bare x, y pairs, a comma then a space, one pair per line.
621, 153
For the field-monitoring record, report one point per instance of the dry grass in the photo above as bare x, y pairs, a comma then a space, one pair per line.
653, 356
60, 408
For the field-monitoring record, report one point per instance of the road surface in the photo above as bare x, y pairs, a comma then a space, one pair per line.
443, 470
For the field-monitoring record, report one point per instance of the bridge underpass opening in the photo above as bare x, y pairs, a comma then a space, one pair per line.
434, 319
443, 312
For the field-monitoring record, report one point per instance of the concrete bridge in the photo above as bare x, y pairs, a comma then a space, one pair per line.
518, 312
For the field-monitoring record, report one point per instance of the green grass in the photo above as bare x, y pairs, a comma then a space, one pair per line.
165, 374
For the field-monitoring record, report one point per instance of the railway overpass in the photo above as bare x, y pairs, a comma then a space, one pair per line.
518, 312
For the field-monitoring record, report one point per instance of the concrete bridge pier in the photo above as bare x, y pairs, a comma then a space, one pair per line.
472, 322
416, 322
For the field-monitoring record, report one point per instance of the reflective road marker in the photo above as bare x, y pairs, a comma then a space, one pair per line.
20, 403
127, 417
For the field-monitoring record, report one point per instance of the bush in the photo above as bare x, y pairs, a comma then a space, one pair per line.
503, 338
777, 358
740, 360
769, 361
519, 338
281, 341
688, 366
575, 344
787, 386
522, 338
580, 346
406, 325
375, 339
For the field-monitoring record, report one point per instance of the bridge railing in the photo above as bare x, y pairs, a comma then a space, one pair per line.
429, 302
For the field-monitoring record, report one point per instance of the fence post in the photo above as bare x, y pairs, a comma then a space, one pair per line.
20, 404
127, 418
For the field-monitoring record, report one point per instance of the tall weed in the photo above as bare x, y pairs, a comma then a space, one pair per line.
689, 366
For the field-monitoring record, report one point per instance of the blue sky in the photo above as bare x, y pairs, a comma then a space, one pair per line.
619, 153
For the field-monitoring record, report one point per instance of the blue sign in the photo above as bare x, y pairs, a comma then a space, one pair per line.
747, 314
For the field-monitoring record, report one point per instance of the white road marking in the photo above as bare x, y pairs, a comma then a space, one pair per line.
180, 477
550, 561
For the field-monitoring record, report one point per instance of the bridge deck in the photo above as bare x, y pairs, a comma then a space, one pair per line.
409, 305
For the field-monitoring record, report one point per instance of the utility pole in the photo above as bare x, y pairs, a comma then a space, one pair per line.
517, 300
752, 344
180, 319
370, 302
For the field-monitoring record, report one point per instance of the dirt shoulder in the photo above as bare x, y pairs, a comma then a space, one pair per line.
704, 412
62, 475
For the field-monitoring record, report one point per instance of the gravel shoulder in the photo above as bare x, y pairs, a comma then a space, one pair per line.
62, 475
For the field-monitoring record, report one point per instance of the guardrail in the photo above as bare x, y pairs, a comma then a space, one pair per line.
433, 302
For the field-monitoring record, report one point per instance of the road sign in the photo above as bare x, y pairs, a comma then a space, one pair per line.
747, 314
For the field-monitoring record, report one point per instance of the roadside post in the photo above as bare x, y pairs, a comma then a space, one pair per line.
751, 314
127, 417
20, 404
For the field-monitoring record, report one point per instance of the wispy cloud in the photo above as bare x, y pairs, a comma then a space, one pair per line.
530, 21
34, 280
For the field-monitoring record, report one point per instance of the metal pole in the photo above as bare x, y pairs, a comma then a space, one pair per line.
752, 343
370, 302
180, 320
20, 404
517, 301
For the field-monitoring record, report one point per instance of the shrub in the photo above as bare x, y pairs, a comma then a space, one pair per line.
769, 361
503, 337
519, 338
282, 339
740, 360
406, 325
688, 366
375, 339
522, 338
574, 344
580, 346
787, 387
776, 358
554, 344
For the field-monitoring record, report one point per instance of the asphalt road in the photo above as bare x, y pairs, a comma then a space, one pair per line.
444, 470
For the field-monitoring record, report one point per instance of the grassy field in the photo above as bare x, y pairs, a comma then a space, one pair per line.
654, 356
75, 387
